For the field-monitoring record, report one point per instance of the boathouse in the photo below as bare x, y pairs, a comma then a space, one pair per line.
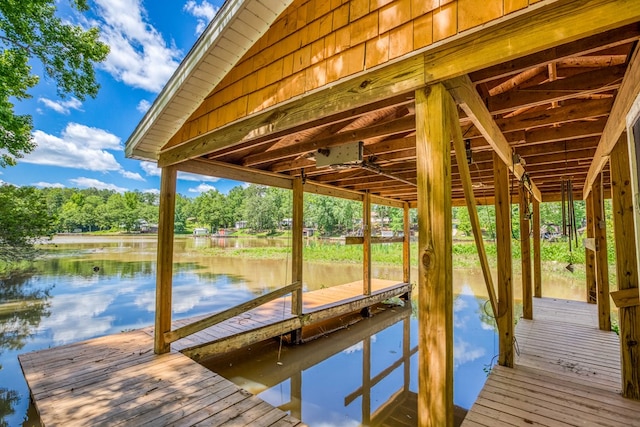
425, 104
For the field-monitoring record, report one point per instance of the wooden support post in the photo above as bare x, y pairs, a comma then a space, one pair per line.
602, 267
626, 268
537, 263
435, 294
406, 244
366, 244
525, 254
295, 393
590, 255
164, 268
469, 197
504, 319
366, 381
406, 355
296, 245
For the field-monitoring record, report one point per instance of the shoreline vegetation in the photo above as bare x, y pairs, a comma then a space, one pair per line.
555, 256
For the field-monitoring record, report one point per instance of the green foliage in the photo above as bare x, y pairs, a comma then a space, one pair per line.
67, 54
24, 218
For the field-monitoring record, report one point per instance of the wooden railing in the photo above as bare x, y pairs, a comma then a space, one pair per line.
214, 319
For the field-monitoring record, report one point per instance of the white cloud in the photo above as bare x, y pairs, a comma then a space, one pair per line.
204, 11
84, 182
62, 107
79, 147
150, 168
463, 352
152, 191
143, 106
202, 188
43, 184
139, 55
132, 175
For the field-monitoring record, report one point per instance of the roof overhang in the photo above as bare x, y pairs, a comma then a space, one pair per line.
236, 27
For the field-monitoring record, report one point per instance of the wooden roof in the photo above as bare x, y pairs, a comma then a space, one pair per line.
559, 108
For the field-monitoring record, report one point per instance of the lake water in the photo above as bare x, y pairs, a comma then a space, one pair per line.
90, 286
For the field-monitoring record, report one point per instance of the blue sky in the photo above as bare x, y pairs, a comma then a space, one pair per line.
81, 144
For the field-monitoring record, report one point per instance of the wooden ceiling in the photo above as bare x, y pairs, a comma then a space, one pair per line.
551, 107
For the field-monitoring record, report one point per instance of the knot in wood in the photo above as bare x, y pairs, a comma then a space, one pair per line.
427, 259
364, 84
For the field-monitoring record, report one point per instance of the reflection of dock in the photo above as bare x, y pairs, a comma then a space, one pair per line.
119, 379
567, 373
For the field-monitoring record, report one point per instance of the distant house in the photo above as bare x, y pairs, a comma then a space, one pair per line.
241, 224
200, 231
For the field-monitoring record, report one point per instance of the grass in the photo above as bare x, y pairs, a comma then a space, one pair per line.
465, 254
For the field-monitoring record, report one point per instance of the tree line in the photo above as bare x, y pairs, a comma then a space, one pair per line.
27, 213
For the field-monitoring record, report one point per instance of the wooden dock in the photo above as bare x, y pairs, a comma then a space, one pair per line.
567, 373
118, 380
274, 318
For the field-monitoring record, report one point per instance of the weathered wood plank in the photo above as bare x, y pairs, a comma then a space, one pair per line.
567, 373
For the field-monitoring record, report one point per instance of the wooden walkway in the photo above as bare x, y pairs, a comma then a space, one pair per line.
118, 380
567, 373
274, 318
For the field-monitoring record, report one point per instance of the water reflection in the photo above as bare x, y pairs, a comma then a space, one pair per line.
23, 306
366, 374
64, 299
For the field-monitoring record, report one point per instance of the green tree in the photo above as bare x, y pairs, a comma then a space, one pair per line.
67, 54
24, 218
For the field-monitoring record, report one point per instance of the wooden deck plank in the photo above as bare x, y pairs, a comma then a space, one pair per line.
567, 373
118, 380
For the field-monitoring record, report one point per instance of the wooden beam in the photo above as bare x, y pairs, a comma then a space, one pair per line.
504, 318
595, 43
237, 173
602, 262
525, 254
164, 273
331, 191
469, 100
626, 267
626, 298
297, 245
366, 244
597, 81
400, 125
590, 254
359, 240
435, 294
629, 90
465, 176
406, 244
537, 263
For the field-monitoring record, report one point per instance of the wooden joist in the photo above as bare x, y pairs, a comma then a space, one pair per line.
629, 90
